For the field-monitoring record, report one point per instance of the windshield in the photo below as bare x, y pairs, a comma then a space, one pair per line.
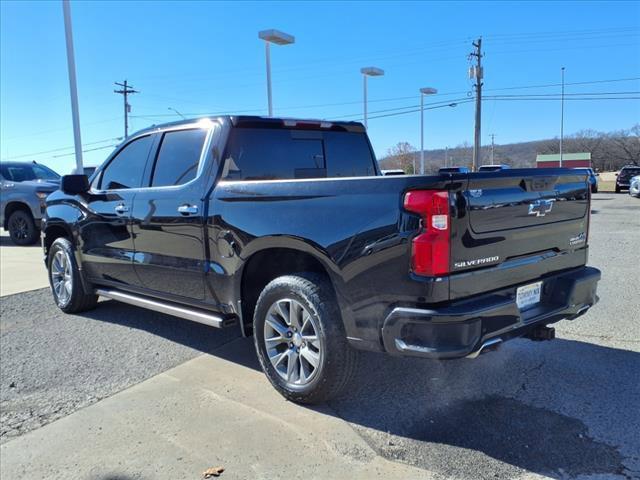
630, 172
17, 172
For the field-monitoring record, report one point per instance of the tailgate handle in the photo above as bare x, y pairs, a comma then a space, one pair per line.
543, 183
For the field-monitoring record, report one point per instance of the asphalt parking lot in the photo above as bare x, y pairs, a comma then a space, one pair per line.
569, 408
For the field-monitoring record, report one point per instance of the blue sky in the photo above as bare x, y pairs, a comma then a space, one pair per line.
206, 57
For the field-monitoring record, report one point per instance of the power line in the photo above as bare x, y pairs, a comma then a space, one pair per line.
61, 149
87, 150
388, 99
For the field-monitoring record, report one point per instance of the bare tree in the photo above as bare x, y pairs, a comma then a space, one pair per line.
402, 155
626, 146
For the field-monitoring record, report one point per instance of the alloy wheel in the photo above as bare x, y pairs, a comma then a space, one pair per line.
61, 277
292, 341
20, 228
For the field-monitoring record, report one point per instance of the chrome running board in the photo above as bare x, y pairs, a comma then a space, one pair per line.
188, 313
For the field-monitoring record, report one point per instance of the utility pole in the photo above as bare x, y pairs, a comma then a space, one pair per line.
446, 156
561, 115
126, 90
493, 136
476, 72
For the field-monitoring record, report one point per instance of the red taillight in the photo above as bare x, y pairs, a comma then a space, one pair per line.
431, 248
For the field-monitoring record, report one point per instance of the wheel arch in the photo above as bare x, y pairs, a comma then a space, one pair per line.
265, 264
54, 230
11, 207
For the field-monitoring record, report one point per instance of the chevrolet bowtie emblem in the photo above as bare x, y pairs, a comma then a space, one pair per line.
540, 208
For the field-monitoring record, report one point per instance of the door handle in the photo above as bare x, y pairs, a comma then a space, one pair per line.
188, 209
122, 208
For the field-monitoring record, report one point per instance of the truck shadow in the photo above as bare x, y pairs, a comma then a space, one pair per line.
6, 242
542, 408
552, 408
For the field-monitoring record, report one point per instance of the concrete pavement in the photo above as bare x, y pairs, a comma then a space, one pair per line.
211, 411
21, 268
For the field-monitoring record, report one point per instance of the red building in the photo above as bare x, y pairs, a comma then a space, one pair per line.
569, 160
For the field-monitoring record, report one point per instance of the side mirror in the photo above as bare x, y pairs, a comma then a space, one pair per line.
74, 184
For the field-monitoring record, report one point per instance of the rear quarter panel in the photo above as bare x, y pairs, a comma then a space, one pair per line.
354, 226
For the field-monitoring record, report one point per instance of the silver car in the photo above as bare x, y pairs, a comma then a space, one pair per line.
24, 187
634, 186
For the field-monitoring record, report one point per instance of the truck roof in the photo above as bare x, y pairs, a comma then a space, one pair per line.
251, 121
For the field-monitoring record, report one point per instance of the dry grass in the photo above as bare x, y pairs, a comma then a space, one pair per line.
607, 186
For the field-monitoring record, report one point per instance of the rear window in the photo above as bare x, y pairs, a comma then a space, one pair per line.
274, 154
631, 171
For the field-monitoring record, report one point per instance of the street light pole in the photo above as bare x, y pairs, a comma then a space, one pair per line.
366, 125
267, 51
279, 38
423, 91
561, 116
369, 72
73, 88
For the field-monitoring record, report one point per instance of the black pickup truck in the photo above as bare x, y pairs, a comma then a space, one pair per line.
286, 230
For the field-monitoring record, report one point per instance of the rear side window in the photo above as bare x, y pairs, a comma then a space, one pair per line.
126, 169
275, 154
178, 157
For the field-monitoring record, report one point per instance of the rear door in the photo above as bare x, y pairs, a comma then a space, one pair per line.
168, 216
518, 224
105, 232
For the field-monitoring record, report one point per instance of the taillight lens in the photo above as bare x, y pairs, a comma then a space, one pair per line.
431, 248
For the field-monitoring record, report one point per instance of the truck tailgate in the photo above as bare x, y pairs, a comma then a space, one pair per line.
516, 225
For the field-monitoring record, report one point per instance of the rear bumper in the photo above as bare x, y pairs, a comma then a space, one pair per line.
464, 328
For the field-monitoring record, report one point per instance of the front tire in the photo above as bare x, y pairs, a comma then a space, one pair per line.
300, 339
22, 228
65, 281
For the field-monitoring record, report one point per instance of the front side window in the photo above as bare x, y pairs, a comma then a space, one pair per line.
126, 169
178, 157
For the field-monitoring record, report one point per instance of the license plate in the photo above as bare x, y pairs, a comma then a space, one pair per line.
528, 295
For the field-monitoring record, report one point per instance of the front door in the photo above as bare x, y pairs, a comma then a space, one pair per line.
168, 217
106, 241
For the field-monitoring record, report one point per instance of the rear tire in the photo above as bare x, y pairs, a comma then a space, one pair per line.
64, 278
22, 228
304, 354
618, 189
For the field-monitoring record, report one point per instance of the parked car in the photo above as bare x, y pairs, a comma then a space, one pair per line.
286, 230
392, 171
623, 178
592, 178
493, 168
634, 186
454, 170
23, 189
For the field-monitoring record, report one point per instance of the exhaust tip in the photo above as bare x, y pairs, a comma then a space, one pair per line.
486, 346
